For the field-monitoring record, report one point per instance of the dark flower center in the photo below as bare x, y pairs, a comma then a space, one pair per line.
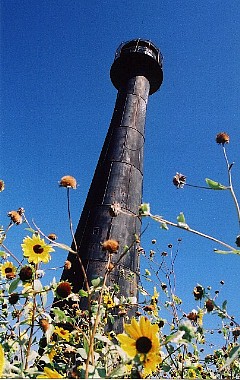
8, 270
38, 249
64, 290
26, 273
143, 345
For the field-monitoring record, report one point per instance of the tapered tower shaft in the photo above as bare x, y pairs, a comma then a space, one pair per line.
117, 182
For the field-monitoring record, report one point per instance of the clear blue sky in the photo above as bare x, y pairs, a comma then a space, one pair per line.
57, 101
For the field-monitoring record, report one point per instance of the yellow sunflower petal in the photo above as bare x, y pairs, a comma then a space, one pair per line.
133, 329
151, 362
2, 360
144, 325
50, 374
127, 344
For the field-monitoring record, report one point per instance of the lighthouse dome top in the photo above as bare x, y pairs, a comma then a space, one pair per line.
137, 57
139, 46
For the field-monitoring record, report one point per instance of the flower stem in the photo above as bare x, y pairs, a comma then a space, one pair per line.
229, 167
74, 241
161, 220
32, 328
90, 352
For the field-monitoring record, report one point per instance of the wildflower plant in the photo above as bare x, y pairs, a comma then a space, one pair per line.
44, 332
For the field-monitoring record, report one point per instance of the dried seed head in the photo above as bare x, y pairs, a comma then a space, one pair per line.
222, 138
67, 265
161, 323
209, 305
110, 245
236, 333
192, 316
26, 273
15, 217
163, 286
198, 292
13, 298
68, 181
238, 241
64, 289
2, 185
52, 236
21, 211
44, 324
179, 180
149, 308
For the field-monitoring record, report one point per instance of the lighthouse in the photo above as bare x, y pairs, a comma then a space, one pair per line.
112, 204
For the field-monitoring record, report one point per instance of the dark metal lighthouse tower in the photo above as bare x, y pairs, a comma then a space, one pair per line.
136, 73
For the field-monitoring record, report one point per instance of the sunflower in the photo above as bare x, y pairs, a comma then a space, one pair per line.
50, 374
8, 270
142, 340
64, 334
108, 301
36, 250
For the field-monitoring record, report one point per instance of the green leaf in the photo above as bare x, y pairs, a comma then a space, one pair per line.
176, 299
85, 345
2, 253
30, 230
164, 226
234, 251
83, 293
64, 246
59, 314
233, 354
144, 209
165, 367
215, 185
224, 305
181, 218
81, 351
13, 285
181, 221
97, 282
101, 372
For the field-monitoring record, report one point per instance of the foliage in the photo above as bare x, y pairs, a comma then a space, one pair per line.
44, 332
